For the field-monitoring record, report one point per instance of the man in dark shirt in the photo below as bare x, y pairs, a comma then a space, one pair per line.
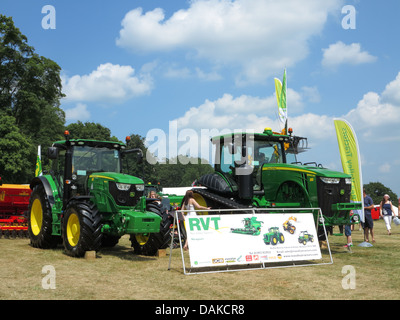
368, 224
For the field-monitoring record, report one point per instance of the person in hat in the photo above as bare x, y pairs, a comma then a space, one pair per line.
387, 212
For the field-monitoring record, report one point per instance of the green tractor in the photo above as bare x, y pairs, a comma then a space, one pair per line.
305, 237
251, 226
86, 202
273, 236
261, 170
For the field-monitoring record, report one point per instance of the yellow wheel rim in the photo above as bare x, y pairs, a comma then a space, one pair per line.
73, 229
36, 217
142, 238
201, 201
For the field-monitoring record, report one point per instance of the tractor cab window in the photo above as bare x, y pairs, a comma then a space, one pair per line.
58, 166
255, 154
267, 152
86, 160
229, 155
291, 157
94, 159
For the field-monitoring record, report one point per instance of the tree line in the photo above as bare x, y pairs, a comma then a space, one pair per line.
30, 115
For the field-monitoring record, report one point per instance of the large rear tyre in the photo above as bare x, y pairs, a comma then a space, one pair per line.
148, 243
81, 228
40, 220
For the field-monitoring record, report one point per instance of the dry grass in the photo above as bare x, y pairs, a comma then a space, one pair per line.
118, 274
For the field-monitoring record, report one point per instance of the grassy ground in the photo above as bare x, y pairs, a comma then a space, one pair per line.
118, 274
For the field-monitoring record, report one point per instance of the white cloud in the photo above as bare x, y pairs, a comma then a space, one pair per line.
243, 112
391, 94
385, 168
108, 83
340, 53
79, 112
377, 115
261, 37
373, 119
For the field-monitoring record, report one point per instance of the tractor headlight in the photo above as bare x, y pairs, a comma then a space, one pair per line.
140, 187
330, 180
123, 186
348, 180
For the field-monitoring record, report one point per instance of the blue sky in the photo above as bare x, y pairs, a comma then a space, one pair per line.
140, 66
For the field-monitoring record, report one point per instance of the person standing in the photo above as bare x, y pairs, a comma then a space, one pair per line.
189, 203
387, 212
368, 225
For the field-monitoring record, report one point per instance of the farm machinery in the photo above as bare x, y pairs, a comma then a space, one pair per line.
261, 170
251, 226
305, 237
288, 225
273, 236
86, 201
14, 201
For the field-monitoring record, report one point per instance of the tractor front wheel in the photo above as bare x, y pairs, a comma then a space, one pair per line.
81, 228
147, 244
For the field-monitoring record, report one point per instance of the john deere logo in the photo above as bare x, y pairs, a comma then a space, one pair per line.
341, 192
132, 194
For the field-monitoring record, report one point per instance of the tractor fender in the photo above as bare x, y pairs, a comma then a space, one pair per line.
79, 198
47, 187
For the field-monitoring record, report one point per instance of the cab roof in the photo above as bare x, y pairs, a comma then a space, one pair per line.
91, 143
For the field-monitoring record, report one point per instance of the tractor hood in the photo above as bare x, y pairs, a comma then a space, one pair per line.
116, 177
323, 172
318, 171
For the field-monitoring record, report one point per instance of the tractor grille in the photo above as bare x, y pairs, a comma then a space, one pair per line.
329, 194
127, 198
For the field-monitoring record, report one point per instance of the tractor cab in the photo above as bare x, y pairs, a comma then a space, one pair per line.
240, 158
79, 164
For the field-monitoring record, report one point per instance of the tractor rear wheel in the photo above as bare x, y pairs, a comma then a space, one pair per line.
81, 228
40, 220
148, 243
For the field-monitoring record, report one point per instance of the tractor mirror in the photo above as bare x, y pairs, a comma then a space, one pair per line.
140, 157
52, 153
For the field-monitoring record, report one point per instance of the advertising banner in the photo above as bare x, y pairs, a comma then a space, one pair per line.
351, 161
234, 239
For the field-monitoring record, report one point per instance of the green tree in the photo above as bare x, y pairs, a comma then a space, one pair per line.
145, 170
181, 171
15, 151
30, 92
90, 130
376, 190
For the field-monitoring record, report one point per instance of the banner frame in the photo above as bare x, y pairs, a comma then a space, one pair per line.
262, 265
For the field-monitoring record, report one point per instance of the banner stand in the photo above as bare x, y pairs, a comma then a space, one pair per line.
261, 265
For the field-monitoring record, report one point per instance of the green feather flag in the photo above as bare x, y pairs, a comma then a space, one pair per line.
280, 88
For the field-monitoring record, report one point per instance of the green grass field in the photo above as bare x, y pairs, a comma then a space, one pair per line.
118, 274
